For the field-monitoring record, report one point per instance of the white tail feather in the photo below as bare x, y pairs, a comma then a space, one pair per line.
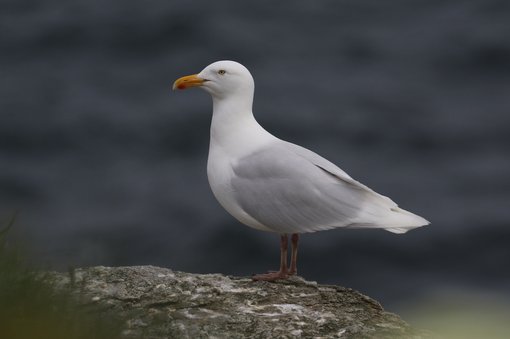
381, 212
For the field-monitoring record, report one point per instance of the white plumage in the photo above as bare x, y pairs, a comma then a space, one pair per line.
273, 185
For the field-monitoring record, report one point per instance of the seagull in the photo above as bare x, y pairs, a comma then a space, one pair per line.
273, 185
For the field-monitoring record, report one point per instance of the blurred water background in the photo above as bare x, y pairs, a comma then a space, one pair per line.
107, 166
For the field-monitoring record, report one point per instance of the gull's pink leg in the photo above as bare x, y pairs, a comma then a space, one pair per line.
293, 258
283, 272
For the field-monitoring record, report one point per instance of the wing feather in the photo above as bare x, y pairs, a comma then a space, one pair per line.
290, 189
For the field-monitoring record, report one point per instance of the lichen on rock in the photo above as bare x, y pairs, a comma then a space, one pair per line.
160, 303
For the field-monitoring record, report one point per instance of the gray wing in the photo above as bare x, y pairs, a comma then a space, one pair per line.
290, 189
283, 189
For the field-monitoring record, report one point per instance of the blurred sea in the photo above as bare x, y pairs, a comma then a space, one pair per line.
107, 166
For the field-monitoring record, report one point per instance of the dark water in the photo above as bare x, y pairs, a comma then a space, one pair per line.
107, 166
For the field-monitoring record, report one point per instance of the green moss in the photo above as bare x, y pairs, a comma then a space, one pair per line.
31, 306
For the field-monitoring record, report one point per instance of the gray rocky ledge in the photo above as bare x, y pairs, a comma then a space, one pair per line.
157, 302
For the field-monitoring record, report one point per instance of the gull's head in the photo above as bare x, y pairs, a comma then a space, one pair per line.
222, 79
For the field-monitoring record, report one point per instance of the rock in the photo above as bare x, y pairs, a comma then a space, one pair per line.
161, 303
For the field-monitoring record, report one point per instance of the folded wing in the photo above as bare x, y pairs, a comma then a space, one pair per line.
290, 189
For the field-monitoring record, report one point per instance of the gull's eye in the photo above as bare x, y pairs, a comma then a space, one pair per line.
222, 72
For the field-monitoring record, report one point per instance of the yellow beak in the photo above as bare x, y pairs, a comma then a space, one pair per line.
188, 81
